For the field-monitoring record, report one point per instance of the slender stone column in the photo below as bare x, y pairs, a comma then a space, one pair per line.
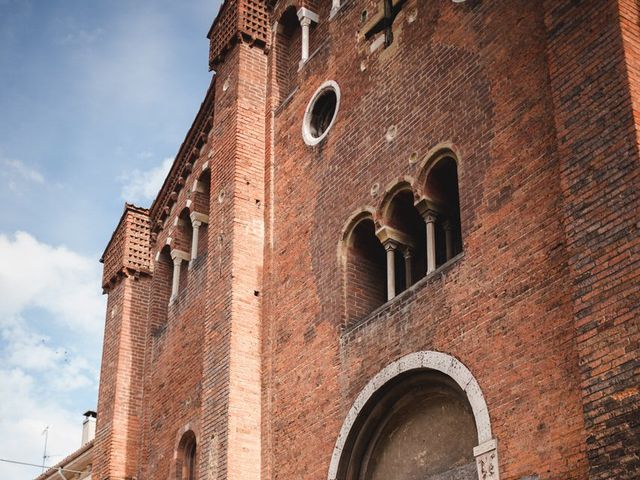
194, 240
448, 238
390, 247
197, 220
430, 220
334, 8
306, 16
305, 23
178, 257
177, 263
408, 266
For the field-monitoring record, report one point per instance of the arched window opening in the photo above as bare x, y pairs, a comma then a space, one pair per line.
288, 43
162, 277
366, 271
186, 461
420, 425
200, 215
410, 258
442, 188
184, 240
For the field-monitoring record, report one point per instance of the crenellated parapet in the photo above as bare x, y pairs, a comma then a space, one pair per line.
246, 20
128, 250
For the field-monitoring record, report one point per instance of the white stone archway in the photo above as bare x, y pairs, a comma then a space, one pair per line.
486, 453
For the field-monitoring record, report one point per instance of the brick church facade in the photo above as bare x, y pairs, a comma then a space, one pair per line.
401, 240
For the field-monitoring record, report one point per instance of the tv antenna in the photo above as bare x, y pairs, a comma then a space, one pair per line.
45, 432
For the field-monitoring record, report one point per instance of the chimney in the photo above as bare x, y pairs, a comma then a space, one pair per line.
88, 427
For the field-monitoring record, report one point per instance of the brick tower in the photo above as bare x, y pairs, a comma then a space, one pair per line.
126, 280
197, 363
400, 240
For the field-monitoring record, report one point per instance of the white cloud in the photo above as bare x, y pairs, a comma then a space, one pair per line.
55, 279
42, 374
17, 174
25, 410
142, 186
81, 37
36, 353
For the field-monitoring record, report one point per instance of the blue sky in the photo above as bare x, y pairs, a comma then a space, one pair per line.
95, 99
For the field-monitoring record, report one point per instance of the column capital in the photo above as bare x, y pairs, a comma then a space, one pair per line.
407, 252
386, 233
200, 217
447, 225
390, 245
306, 15
196, 223
427, 208
179, 256
430, 216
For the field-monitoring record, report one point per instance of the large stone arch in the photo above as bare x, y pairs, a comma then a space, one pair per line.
485, 452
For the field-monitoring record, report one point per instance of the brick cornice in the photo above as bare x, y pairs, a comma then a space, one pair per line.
128, 207
238, 20
127, 253
183, 164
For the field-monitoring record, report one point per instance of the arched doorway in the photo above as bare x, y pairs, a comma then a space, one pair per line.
423, 417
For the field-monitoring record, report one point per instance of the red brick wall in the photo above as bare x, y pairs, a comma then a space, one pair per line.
120, 396
265, 348
202, 369
593, 60
126, 280
473, 75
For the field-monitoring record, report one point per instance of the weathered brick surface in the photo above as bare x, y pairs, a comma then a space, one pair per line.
118, 431
476, 76
128, 249
271, 339
593, 55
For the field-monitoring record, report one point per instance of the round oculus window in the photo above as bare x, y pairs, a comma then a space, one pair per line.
321, 113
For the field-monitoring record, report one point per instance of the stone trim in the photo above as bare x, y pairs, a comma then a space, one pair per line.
199, 217
486, 451
308, 138
386, 234
180, 255
335, 7
433, 156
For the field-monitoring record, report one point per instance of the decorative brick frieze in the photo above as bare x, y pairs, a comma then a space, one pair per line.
188, 154
128, 250
238, 20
